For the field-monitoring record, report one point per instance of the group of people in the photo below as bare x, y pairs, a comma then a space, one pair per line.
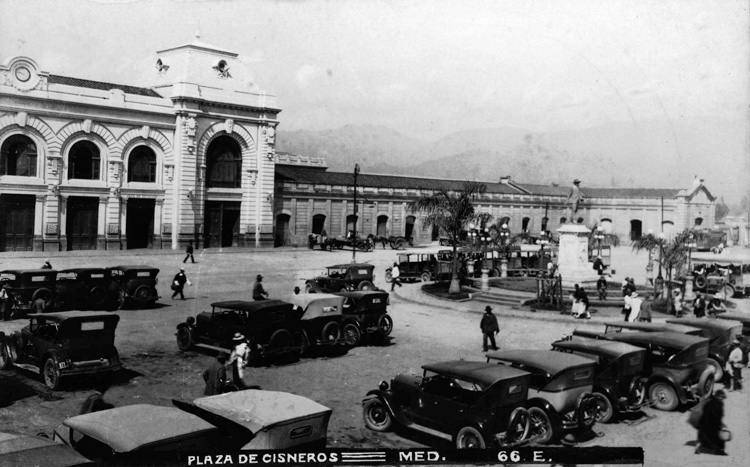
227, 372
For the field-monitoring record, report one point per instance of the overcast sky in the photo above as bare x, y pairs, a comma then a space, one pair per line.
425, 68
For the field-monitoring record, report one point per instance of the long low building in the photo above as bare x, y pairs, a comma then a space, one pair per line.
190, 156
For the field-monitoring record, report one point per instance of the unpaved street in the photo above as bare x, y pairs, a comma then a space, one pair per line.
425, 330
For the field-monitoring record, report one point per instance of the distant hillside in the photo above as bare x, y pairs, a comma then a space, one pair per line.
647, 154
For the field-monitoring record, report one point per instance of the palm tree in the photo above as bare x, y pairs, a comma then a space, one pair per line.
451, 212
672, 253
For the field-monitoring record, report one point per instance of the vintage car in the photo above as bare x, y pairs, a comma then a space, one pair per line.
619, 383
66, 344
221, 424
17, 449
272, 327
560, 390
472, 404
676, 366
743, 318
84, 289
26, 286
321, 319
422, 266
134, 285
720, 334
343, 278
724, 278
366, 313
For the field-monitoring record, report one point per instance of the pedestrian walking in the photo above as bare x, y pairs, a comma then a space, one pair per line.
645, 314
5, 302
710, 426
47, 265
189, 253
601, 287
215, 376
489, 328
395, 276
238, 359
178, 284
634, 305
677, 303
259, 293
734, 366
699, 306
95, 402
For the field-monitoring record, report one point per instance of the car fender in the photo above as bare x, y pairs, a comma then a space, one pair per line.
719, 358
185, 324
315, 285
608, 391
386, 397
544, 404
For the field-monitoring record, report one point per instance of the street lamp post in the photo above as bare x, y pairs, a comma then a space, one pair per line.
599, 236
473, 238
689, 244
504, 238
543, 240
354, 236
659, 284
484, 237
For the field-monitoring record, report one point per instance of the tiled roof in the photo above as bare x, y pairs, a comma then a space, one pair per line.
85, 83
321, 177
630, 192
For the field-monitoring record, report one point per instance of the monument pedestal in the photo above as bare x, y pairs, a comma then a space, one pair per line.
573, 257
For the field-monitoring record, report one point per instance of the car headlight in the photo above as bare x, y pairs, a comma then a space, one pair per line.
383, 386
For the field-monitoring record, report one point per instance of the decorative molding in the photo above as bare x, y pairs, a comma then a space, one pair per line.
51, 229
145, 130
229, 126
22, 118
86, 125
166, 229
113, 229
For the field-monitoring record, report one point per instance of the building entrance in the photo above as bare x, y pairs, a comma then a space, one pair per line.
82, 221
222, 225
139, 223
17, 222
282, 230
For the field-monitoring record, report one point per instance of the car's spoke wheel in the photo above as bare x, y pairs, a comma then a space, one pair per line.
365, 285
425, 277
718, 369
518, 426
44, 294
143, 293
586, 412
376, 414
51, 374
385, 325
541, 430
309, 288
706, 383
637, 392
301, 343
388, 276
280, 339
604, 409
97, 297
352, 335
663, 397
331, 332
185, 340
726, 291
469, 437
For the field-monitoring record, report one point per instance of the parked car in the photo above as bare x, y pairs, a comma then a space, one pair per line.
723, 278
676, 366
65, 345
135, 285
85, 289
343, 278
422, 266
560, 390
272, 327
26, 286
720, 334
219, 424
472, 404
17, 449
366, 313
321, 319
745, 338
619, 382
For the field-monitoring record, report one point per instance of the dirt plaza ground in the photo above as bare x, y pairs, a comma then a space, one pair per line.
425, 330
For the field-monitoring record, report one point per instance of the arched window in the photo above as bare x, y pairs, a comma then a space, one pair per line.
525, 224
18, 157
698, 221
142, 165
224, 163
84, 161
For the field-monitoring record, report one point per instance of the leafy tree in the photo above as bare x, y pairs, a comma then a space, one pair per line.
672, 254
451, 211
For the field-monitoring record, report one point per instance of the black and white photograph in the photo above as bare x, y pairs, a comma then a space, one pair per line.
376, 232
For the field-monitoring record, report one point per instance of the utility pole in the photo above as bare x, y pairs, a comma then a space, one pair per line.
356, 218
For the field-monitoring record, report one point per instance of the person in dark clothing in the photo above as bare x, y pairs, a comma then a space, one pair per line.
599, 265
601, 287
178, 283
710, 425
96, 402
6, 304
259, 293
580, 295
699, 306
215, 376
489, 328
47, 265
189, 253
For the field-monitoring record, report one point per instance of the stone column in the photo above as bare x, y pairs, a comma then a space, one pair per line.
101, 239
38, 241
64, 222
158, 208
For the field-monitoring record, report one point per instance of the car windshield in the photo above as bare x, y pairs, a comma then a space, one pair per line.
336, 272
66, 276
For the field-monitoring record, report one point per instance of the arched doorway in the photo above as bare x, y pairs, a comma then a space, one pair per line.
223, 170
636, 229
318, 223
382, 228
139, 223
282, 235
409, 230
525, 224
351, 223
606, 225
668, 228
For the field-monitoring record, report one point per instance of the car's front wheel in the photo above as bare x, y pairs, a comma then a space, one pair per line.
385, 325
425, 277
663, 396
352, 335
706, 383
587, 411
605, 411
51, 374
469, 437
365, 285
541, 429
718, 370
185, 339
376, 414
309, 288
518, 426
331, 332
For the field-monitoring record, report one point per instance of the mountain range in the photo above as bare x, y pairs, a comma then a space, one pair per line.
638, 154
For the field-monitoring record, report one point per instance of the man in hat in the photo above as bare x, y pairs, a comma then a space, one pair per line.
47, 265
238, 359
734, 365
215, 376
710, 424
395, 276
259, 293
5, 302
489, 328
699, 306
178, 283
599, 265
574, 199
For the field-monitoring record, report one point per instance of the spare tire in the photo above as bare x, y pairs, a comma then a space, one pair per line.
98, 297
331, 332
44, 294
700, 281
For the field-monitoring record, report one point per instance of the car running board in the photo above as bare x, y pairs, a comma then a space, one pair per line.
429, 431
29, 367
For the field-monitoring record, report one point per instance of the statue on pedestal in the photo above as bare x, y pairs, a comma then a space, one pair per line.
574, 199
